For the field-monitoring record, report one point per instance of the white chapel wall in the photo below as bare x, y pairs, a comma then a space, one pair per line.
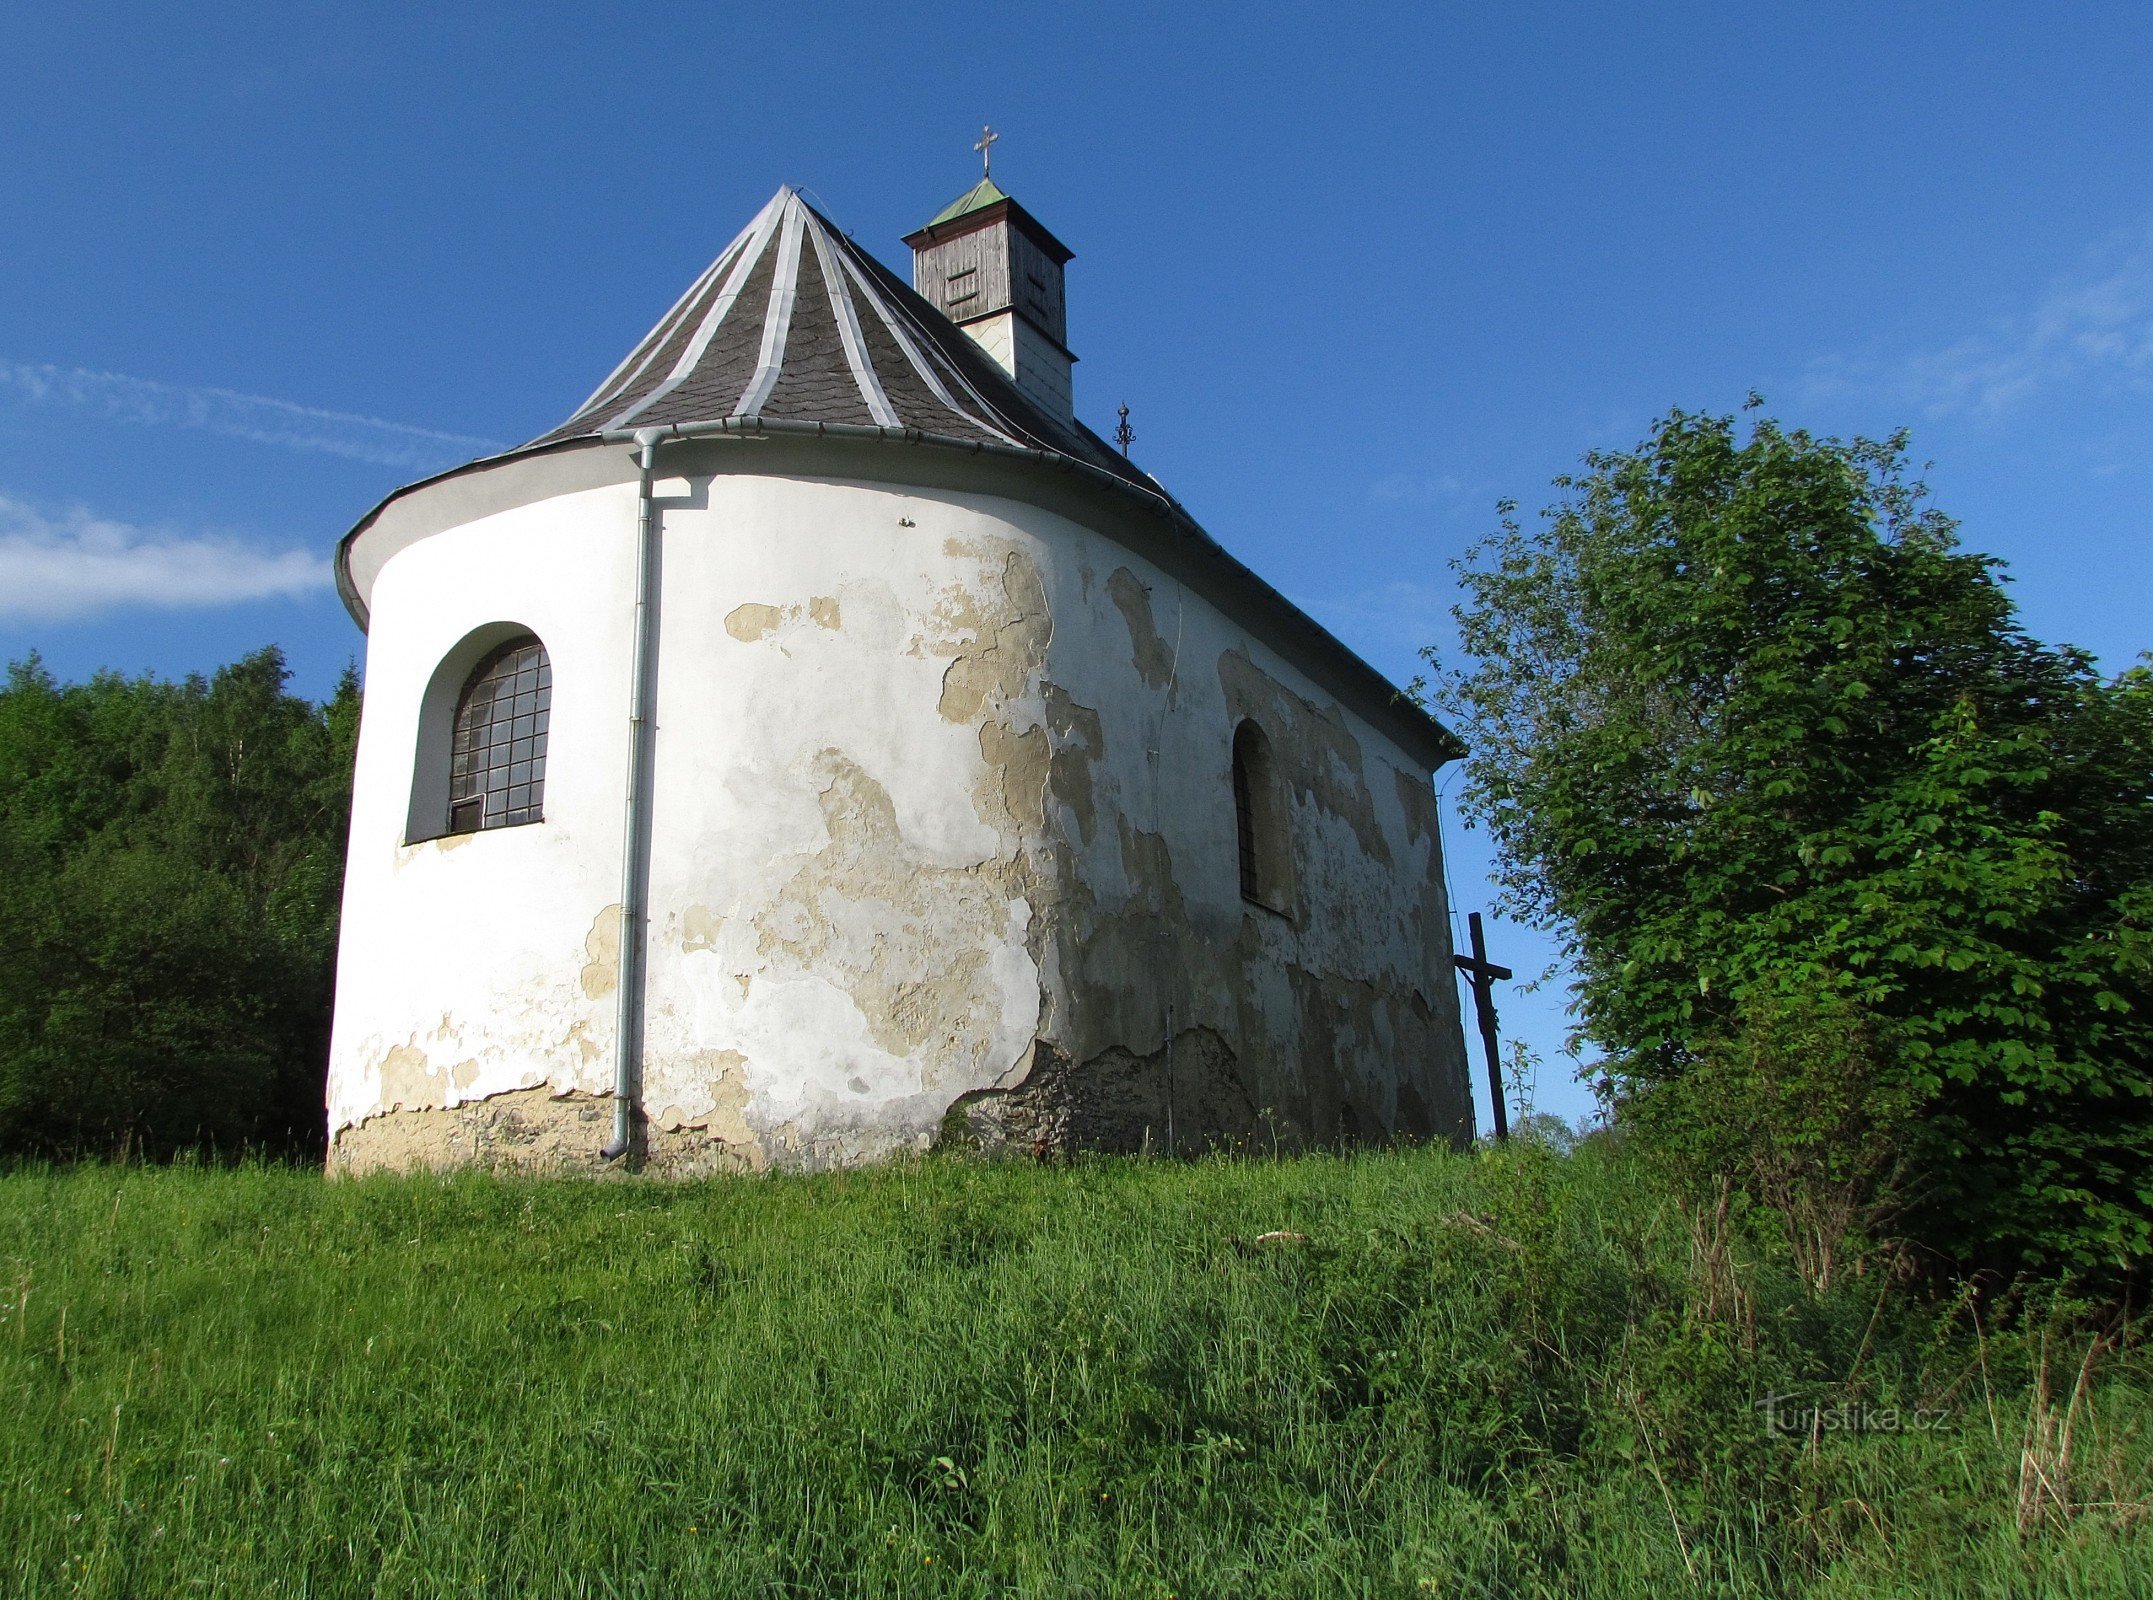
910, 851
461, 961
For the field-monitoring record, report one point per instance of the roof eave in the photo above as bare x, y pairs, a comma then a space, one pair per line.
1382, 700
347, 591
986, 216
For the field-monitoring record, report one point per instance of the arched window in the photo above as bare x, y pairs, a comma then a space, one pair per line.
497, 752
1260, 833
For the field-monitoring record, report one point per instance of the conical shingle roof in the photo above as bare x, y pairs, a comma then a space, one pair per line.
796, 329
795, 323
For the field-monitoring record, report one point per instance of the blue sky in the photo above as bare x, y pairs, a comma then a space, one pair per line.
1357, 272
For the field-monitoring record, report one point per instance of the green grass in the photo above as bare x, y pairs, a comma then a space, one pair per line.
1507, 1374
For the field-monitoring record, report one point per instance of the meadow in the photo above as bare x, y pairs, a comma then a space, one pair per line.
1506, 1373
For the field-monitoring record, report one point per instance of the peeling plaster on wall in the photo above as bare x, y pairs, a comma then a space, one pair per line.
1123, 954
1317, 752
1331, 1032
601, 971
1021, 763
884, 982
1340, 1019
1325, 1058
1153, 656
874, 978
699, 929
940, 834
726, 1071
1417, 799
1078, 741
840, 909
465, 1058
442, 1068
1007, 652
753, 621
407, 1077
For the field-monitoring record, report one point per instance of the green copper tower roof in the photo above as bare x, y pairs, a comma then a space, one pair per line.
977, 198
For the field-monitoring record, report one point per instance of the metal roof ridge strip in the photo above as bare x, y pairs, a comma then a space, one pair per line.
777, 317
764, 225
847, 318
938, 336
652, 342
913, 338
955, 368
894, 321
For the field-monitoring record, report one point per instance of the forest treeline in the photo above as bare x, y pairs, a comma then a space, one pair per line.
171, 859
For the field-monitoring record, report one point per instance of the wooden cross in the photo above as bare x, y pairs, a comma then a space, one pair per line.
1484, 974
987, 136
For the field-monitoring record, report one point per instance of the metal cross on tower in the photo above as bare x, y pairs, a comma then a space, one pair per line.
1483, 975
985, 147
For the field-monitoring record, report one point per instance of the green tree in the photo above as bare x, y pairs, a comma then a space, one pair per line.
171, 857
1759, 740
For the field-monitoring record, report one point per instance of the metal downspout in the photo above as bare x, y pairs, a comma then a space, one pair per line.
628, 1014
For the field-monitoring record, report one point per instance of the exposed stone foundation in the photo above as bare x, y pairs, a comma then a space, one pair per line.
1185, 1098
528, 1130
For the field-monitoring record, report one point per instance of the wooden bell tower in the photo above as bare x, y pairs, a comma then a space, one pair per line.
992, 268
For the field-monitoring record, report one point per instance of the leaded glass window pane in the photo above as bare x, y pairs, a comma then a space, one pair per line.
497, 764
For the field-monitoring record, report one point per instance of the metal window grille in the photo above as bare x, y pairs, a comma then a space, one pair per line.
1244, 816
497, 763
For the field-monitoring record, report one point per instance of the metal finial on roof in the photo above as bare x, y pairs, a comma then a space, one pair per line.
985, 147
1124, 435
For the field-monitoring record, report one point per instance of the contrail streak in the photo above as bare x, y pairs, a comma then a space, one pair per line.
149, 403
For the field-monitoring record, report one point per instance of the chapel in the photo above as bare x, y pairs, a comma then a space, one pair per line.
823, 746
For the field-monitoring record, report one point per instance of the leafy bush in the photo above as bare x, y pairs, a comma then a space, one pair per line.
1753, 733
1795, 1110
171, 856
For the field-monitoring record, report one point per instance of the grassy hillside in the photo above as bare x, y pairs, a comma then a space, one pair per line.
1489, 1375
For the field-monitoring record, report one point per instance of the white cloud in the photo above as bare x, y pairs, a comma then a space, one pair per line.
2095, 325
77, 564
241, 416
